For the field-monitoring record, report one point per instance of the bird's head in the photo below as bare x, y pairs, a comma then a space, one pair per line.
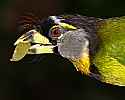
57, 37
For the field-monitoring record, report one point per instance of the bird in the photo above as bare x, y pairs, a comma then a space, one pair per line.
95, 46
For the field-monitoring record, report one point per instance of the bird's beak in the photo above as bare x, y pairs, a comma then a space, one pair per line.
31, 42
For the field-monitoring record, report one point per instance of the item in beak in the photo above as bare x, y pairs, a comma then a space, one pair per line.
20, 51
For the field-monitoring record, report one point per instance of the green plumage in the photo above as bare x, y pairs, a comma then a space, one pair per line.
110, 58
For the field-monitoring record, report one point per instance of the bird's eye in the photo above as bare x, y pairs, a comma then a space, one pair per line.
55, 32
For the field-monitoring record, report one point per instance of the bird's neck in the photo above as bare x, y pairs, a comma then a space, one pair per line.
82, 64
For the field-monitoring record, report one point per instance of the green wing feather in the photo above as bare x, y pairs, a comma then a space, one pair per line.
110, 59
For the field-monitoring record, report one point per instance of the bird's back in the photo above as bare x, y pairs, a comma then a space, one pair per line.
110, 59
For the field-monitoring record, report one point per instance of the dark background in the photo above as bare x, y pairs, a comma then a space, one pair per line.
52, 78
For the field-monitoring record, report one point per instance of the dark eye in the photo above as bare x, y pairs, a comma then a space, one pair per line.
55, 32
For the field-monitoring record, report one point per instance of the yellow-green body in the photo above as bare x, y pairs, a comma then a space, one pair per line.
110, 58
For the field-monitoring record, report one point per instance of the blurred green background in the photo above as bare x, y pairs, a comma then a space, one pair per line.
55, 78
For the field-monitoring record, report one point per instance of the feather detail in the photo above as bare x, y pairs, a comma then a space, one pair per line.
82, 64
